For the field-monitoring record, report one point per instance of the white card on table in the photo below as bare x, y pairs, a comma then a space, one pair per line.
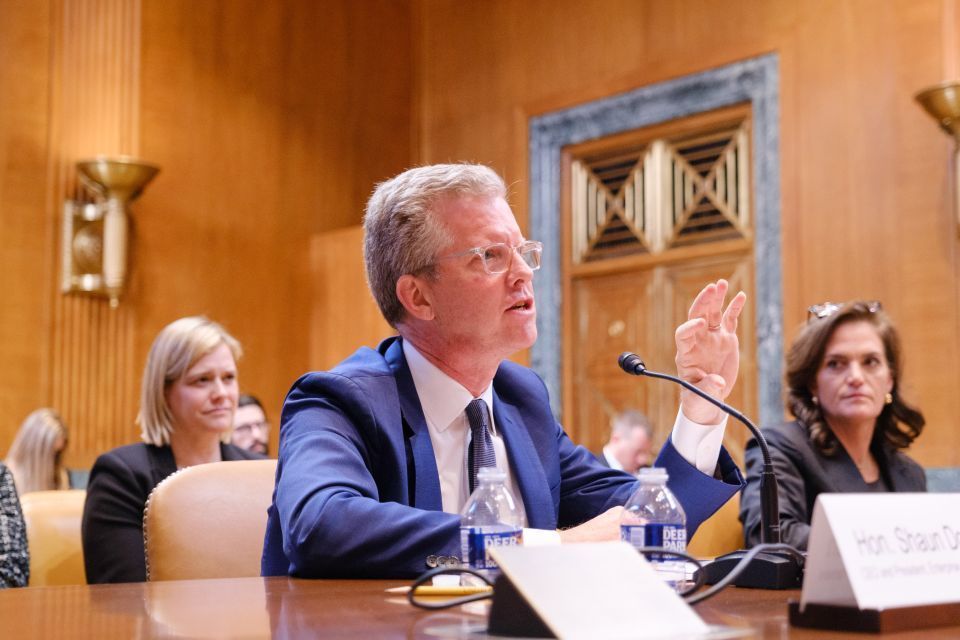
597, 590
883, 550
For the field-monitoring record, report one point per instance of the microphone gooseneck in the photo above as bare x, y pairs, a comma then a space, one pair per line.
769, 510
778, 576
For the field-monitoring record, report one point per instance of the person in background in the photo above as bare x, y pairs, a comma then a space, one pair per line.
851, 422
377, 456
187, 401
251, 430
630, 446
36, 456
14, 554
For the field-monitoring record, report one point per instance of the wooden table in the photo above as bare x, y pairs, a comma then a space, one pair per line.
289, 608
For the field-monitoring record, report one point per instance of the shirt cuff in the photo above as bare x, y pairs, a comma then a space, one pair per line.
699, 444
540, 538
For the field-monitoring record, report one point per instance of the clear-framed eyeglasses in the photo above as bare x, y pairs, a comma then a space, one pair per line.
498, 257
827, 309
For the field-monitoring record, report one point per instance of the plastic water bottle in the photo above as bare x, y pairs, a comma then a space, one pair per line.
489, 519
653, 517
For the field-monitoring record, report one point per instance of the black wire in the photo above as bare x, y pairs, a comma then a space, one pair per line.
741, 566
698, 577
687, 594
446, 604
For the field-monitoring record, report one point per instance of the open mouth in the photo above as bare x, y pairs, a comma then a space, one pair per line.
524, 305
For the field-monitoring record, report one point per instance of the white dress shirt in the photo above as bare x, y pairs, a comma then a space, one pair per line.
611, 459
444, 402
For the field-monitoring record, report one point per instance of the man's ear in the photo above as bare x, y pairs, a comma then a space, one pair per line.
415, 296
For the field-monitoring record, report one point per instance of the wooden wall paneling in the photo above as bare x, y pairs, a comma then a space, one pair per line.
344, 315
270, 121
863, 170
95, 112
612, 314
213, 114
27, 231
273, 122
348, 99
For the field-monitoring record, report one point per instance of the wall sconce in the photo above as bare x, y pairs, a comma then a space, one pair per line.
943, 103
95, 234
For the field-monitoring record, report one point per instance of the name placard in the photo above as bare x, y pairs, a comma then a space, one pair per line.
590, 590
882, 551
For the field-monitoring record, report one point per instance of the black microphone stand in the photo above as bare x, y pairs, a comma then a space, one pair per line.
768, 570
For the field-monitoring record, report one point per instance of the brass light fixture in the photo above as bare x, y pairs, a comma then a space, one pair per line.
942, 102
95, 235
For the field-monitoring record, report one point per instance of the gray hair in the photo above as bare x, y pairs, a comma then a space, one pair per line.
631, 419
401, 235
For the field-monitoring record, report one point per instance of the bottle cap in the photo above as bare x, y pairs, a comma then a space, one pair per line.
490, 474
653, 475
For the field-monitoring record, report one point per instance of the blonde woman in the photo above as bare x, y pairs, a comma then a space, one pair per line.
187, 401
35, 457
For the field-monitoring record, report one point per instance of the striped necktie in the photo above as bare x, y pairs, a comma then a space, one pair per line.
481, 444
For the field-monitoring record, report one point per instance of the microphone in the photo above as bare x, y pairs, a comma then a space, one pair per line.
769, 570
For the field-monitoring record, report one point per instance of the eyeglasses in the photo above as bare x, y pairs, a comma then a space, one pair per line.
250, 426
827, 309
498, 257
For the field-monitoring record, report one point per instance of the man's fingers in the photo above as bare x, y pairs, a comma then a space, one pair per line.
715, 309
709, 303
732, 314
692, 375
686, 334
701, 304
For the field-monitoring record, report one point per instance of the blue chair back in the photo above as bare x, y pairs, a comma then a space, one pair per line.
943, 479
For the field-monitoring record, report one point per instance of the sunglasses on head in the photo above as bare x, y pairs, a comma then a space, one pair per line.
827, 309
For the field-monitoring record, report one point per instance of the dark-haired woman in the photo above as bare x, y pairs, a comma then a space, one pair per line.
851, 427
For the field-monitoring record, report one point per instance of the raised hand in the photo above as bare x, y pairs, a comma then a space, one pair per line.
708, 352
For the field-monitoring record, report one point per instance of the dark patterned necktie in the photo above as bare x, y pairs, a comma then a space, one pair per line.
481, 444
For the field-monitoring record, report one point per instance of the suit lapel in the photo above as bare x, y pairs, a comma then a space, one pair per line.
426, 477
841, 471
525, 465
895, 471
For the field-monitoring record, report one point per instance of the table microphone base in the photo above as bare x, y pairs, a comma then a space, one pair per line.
769, 570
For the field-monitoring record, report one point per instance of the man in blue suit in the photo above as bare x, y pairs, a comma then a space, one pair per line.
377, 455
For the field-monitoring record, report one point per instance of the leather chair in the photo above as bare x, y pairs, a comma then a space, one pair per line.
208, 521
53, 521
720, 534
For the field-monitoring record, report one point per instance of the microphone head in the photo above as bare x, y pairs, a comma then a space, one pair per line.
631, 363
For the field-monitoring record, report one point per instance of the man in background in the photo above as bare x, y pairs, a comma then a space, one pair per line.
251, 430
631, 442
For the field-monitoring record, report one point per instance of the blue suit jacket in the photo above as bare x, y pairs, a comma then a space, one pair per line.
357, 490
